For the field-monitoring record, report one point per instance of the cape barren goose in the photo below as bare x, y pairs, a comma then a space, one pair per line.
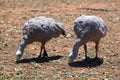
87, 28
40, 29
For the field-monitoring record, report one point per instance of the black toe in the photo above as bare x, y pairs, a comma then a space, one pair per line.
45, 55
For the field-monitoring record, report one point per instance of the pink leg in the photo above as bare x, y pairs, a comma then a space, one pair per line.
45, 53
85, 49
96, 48
41, 49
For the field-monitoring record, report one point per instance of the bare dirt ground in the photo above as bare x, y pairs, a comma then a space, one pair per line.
14, 13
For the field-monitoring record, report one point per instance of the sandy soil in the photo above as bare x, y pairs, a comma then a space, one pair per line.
14, 13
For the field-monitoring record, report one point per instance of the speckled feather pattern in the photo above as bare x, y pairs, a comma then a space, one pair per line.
42, 29
87, 28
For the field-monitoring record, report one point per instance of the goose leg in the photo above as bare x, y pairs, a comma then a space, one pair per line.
96, 48
41, 49
45, 53
85, 49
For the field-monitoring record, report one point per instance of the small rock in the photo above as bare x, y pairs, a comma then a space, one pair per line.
9, 22
1, 22
14, 27
106, 79
69, 35
58, 41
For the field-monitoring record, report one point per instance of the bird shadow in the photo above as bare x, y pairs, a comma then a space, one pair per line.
40, 60
89, 62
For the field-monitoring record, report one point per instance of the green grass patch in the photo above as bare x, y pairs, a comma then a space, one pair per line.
86, 76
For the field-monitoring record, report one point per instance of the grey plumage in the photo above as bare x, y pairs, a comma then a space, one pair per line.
87, 28
40, 29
